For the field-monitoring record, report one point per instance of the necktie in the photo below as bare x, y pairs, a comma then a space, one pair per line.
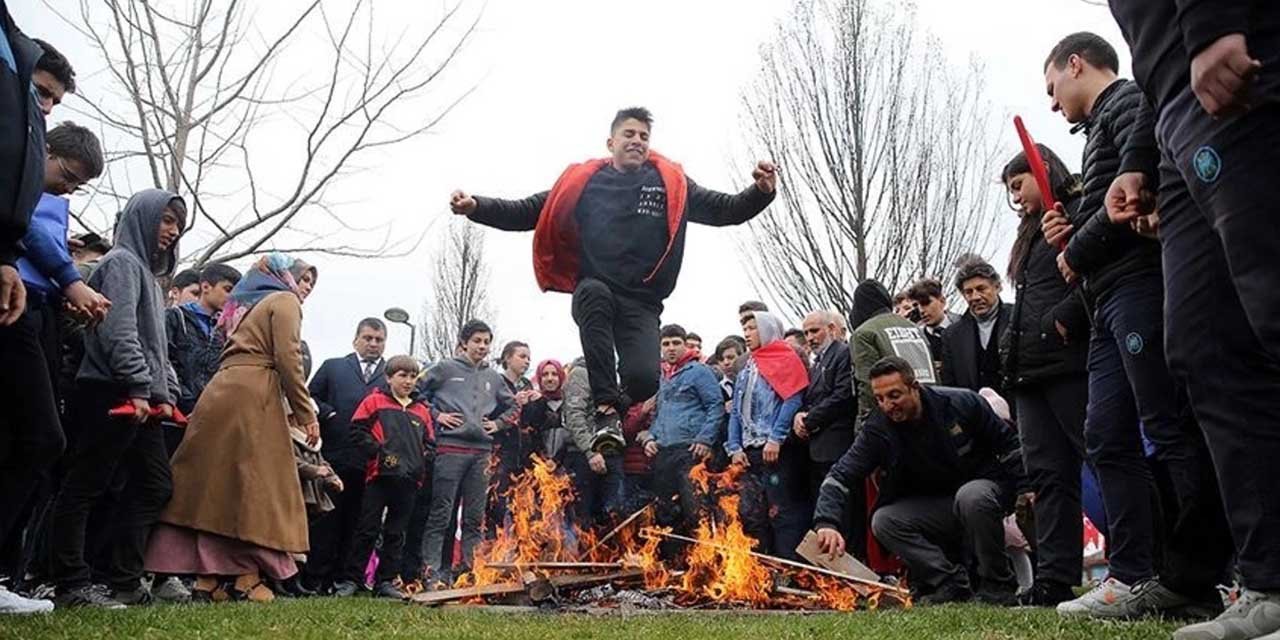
368, 369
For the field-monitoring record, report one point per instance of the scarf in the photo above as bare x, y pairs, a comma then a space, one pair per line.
559, 370
776, 361
272, 273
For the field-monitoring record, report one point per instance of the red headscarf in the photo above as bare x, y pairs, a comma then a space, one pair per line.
537, 377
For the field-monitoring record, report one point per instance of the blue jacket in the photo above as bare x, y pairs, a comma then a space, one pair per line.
47, 267
771, 416
689, 409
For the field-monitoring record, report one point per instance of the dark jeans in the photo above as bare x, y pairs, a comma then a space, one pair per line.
332, 533
394, 496
1214, 235
31, 437
598, 497
509, 452
1051, 417
853, 521
105, 445
935, 536
678, 504
1129, 384
456, 476
773, 504
609, 322
411, 567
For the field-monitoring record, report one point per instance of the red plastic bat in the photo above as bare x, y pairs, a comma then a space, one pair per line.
1038, 169
126, 410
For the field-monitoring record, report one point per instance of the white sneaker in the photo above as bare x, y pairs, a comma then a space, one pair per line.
1254, 616
1111, 599
172, 590
13, 604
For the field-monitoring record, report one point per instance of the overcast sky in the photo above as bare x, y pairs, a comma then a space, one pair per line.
551, 74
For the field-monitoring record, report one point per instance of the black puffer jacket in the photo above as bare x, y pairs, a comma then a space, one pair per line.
21, 140
1107, 254
194, 354
1031, 348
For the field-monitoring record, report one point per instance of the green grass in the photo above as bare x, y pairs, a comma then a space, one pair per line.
366, 619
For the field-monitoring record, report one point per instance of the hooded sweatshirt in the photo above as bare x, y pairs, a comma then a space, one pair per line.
476, 392
879, 333
129, 348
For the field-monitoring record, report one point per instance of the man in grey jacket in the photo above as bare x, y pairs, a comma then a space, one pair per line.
469, 403
591, 458
126, 364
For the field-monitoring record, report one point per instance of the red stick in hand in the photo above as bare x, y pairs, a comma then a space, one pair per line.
1038, 169
125, 410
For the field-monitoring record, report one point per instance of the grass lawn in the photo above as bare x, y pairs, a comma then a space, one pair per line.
366, 619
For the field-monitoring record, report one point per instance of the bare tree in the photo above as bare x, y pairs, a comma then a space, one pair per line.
204, 103
459, 291
884, 153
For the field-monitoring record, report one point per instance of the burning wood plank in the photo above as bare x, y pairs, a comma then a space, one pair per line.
784, 562
551, 566
511, 588
622, 525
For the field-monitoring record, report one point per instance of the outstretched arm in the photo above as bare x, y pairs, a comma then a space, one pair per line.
507, 215
721, 209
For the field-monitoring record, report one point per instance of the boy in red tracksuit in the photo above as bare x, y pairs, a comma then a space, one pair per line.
397, 434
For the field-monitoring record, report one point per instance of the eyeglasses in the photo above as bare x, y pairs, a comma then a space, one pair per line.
73, 181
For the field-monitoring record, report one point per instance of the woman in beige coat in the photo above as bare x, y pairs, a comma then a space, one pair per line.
237, 509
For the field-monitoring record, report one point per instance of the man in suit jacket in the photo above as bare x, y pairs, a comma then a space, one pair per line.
338, 388
827, 417
971, 346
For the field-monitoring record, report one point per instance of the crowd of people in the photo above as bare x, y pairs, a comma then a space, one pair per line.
164, 436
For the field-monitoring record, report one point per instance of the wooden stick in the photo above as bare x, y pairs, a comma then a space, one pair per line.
508, 588
631, 518
799, 593
555, 565
781, 561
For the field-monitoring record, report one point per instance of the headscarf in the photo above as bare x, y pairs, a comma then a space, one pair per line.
559, 369
272, 273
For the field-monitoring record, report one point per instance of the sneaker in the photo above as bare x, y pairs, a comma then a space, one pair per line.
14, 604
388, 590
1255, 615
139, 596
1151, 598
1110, 600
1046, 594
608, 437
951, 591
172, 591
344, 589
89, 597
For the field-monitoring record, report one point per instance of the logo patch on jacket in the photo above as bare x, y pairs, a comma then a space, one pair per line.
1134, 343
391, 461
1207, 163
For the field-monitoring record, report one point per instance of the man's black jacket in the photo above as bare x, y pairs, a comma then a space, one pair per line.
961, 355
830, 404
338, 388
980, 446
1107, 254
21, 140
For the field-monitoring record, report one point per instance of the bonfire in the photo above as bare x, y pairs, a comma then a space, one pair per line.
542, 557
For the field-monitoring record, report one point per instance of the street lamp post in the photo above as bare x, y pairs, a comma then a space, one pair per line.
397, 315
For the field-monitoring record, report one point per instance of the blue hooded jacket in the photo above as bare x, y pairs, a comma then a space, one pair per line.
47, 267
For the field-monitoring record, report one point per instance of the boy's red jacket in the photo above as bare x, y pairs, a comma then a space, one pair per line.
399, 441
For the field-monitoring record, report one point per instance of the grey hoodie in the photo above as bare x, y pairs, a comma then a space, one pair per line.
129, 347
476, 392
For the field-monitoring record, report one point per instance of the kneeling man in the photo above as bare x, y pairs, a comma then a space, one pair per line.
949, 472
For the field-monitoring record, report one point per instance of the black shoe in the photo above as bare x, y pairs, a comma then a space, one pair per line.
1045, 593
388, 590
998, 595
344, 589
139, 596
949, 592
89, 597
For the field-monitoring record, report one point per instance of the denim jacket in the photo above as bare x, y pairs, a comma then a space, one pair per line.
690, 406
770, 416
